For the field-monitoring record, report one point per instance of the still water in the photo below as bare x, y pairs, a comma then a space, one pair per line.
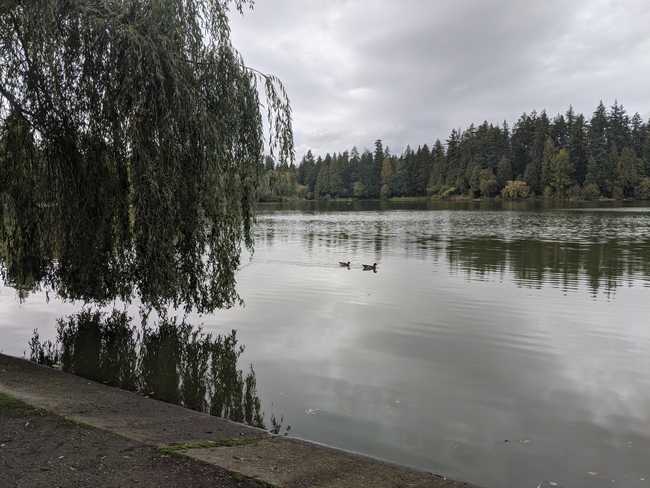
509, 347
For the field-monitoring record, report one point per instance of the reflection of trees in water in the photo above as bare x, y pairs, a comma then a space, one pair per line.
533, 263
170, 361
603, 265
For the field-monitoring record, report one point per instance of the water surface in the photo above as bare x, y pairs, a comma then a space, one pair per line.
507, 346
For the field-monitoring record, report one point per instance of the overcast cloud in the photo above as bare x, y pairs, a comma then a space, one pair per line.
408, 71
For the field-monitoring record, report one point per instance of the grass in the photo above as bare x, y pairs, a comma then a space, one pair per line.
231, 442
13, 406
8, 403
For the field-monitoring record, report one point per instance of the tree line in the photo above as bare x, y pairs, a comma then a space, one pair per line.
567, 156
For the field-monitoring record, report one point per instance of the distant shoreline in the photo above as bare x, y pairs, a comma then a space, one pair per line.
457, 198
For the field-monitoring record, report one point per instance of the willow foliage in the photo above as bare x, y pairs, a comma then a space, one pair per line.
131, 137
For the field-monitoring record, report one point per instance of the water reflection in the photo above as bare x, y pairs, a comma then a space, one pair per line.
532, 263
604, 248
483, 325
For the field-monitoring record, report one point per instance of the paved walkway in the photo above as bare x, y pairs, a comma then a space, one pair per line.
239, 449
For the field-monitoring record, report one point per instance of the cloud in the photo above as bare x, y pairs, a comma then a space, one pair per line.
408, 72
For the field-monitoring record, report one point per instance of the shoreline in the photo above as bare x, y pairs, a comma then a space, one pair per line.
455, 199
237, 450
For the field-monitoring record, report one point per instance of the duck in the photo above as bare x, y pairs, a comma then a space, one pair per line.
344, 264
368, 267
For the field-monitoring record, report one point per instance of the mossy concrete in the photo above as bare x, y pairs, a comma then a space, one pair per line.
242, 451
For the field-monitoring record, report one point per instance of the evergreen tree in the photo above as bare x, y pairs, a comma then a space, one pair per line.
438, 168
548, 161
578, 149
637, 134
560, 174
479, 158
522, 142
560, 132
599, 160
628, 172
387, 175
618, 127
454, 167
422, 170
534, 172
504, 172
645, 152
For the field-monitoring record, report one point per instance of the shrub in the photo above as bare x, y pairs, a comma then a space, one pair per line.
449, 191
591, 191
644, 189
44, 353
515, 189
489, 187
618, 193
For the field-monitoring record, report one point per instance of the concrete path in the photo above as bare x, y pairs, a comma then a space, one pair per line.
239, 449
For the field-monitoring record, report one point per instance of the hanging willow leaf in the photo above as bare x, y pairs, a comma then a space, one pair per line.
132, 133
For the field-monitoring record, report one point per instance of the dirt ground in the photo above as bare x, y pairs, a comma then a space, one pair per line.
38, 449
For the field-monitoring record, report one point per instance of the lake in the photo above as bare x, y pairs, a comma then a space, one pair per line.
506, 345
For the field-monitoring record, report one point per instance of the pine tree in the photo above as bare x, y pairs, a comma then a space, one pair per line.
645, 152
322, 188
560, 132
561, 173
637, 134
422, 170
627, 172
387, 175
504, 172
599, 160
578, 148
438, 168
548, 161
618, 127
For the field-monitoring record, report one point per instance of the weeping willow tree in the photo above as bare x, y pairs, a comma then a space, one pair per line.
132, 133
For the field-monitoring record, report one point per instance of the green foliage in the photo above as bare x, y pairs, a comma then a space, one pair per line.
279, 183
628, 169
591, 192
44, 353
359, 190
131, 138
448, 191
556, 158
559, 174
488, 185
504, 171
644, 188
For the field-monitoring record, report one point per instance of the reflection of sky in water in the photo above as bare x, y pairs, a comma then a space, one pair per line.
479, 327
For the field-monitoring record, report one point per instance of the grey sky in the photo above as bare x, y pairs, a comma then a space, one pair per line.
409, 71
